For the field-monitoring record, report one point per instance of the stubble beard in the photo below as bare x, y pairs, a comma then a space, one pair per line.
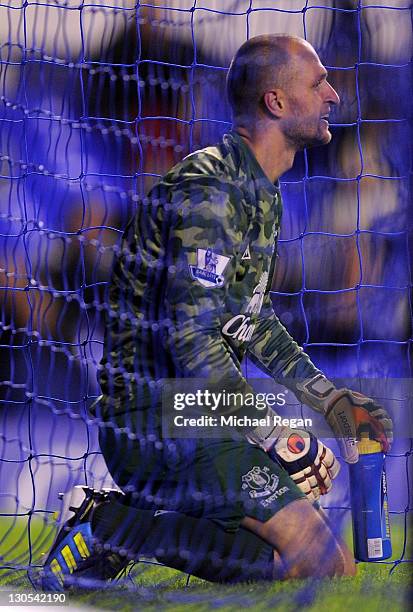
303, 134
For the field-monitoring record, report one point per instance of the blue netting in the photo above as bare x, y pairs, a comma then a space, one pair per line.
97, 101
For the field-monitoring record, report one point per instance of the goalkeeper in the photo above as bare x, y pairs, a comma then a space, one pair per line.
189, 299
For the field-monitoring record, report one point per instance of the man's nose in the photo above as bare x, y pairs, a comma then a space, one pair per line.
332, 95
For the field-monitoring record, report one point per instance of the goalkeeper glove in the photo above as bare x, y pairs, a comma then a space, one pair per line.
309, 463
347, 412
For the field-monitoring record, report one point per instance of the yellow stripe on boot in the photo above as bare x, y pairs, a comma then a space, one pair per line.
69, 558
57, 570
81, 545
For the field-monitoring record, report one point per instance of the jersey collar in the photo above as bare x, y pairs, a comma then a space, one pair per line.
254, 166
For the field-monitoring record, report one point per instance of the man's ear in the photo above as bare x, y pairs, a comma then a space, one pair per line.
274, 102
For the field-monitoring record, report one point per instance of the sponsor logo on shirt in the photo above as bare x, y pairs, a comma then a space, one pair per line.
209, 269
241, 327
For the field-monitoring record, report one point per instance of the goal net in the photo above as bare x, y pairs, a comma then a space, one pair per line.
99, 99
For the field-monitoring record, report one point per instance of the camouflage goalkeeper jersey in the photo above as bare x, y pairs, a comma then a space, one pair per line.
189, 295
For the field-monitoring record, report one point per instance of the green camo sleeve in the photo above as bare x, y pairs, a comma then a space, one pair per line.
275, 352
203, 216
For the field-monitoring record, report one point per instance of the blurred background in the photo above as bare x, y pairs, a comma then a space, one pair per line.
97, 100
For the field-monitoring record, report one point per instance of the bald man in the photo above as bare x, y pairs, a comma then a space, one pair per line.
189, 299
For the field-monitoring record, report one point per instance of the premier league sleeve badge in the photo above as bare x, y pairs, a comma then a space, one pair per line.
210, 267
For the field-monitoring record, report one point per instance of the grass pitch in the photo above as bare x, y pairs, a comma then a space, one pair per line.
151, 587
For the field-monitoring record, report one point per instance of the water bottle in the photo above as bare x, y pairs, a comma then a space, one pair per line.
369, 507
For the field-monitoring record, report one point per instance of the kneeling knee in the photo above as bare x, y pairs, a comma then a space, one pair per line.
316, 563
319, 555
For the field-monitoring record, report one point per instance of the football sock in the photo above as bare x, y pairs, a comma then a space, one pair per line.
196, 546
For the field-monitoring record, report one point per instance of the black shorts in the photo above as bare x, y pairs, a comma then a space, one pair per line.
221, 480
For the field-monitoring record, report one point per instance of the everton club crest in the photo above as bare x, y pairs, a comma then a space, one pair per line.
260, 482
209, 269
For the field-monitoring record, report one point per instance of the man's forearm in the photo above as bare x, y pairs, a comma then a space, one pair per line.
277, 354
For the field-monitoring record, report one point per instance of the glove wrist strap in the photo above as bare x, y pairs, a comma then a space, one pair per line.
267, 435
315, 392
